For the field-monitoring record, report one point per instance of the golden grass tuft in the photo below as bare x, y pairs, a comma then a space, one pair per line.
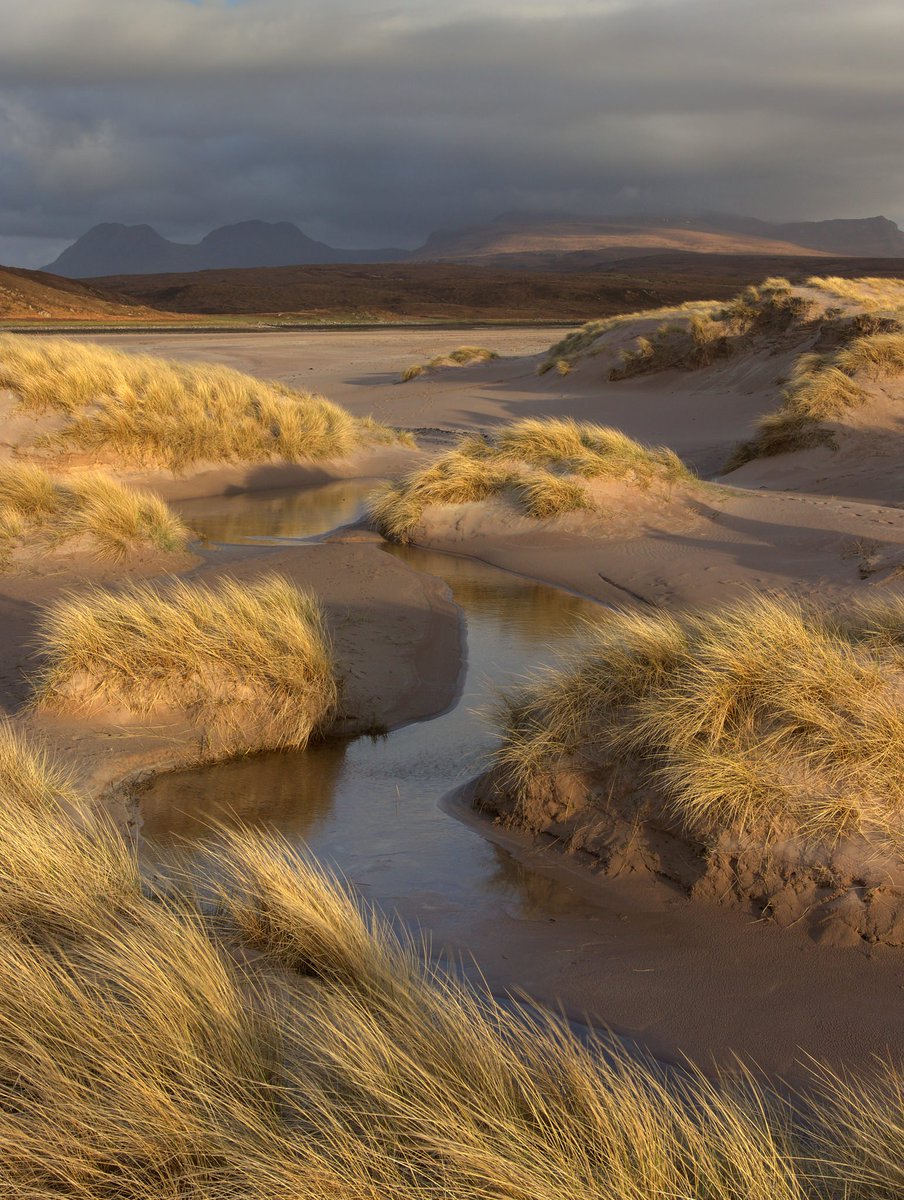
153, 412
822, 388
688, 347
471, 354
456, 477
877, 356
765, 718
245, 1026
540, 464
463, 356
248, 664
544, 495
593, 451
870, 292
40, 509
771, 307
574, 346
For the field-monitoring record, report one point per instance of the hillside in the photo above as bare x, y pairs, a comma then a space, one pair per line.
37, 296
515, 235
111, 249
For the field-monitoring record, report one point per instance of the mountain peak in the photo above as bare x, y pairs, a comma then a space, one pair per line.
115, 249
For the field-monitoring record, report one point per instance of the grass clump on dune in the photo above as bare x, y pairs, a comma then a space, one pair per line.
37, 508
705, 337
153, 412
697, 344
248, 664
764, 719
544, 495
772, 306
454, 478
250, 1028
463, 356
541, 465
870, 291
592, 451
821, 389
878, 356
690, 335
563, 354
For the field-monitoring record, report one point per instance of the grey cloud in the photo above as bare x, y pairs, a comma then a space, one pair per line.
374, 122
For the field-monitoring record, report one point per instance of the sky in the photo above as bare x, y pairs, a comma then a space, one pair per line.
372, 122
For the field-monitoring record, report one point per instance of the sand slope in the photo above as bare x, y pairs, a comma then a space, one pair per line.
395, 633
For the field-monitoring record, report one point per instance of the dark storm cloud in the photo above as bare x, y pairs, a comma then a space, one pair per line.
375, 122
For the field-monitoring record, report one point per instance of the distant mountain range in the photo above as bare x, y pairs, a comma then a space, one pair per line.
112, 249
533, 240
513, 239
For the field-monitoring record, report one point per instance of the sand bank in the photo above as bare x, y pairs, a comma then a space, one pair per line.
395, 633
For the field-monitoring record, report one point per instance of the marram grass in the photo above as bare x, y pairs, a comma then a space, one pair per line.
40, 509
463, 356
542, 465
248, 664
766, 718
820, 390
822, 386
119, 407
250, 1029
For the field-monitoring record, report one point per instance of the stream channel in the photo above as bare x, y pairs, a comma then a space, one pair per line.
370, 807
631, 953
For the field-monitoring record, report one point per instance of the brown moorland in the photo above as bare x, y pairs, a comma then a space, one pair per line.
34, 296
545, 286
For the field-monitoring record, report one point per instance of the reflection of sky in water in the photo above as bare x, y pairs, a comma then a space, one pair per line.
370, 806
287, 512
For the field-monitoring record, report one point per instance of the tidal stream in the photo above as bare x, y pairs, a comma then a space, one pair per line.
630, 952
371, 806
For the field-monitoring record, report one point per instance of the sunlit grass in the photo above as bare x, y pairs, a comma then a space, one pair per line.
764, 718
248, 664
463, 356
41, 510
245, 1026
821, 389
118, 407
541, 465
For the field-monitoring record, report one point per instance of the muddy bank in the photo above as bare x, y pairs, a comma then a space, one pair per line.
613, 822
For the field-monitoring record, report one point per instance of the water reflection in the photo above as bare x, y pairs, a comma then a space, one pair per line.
371, 806
285, 513
293, 791
540, 613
